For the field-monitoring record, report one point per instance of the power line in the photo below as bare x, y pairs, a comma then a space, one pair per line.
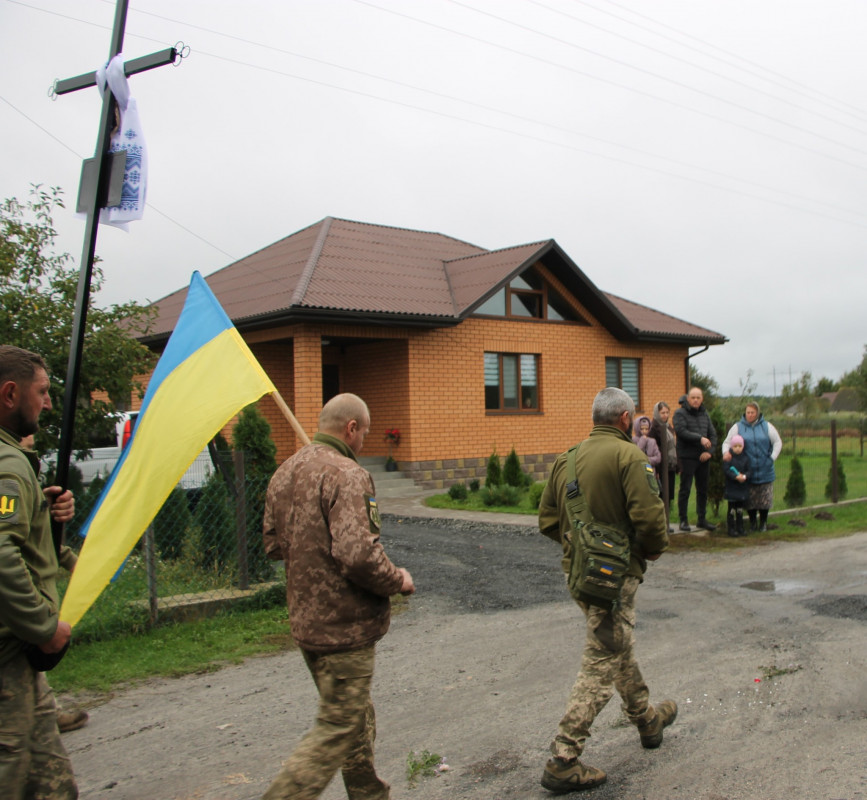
490, 126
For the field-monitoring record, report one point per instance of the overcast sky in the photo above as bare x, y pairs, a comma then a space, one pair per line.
707, 159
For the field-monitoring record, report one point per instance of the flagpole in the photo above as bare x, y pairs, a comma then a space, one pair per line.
287, 412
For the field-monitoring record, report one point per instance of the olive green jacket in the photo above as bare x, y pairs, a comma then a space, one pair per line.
620, 489
29, 602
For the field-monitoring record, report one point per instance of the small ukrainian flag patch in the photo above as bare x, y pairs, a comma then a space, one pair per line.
606, 570
648, 468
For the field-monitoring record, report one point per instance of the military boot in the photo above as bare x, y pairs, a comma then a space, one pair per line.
730, 524
72, 720
739, 524
561, 776
650, 729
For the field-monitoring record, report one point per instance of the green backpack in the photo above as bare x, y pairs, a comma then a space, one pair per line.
596, 556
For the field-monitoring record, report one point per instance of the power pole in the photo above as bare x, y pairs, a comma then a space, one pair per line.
97, 176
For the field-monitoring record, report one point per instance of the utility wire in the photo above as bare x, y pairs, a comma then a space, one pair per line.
496, 128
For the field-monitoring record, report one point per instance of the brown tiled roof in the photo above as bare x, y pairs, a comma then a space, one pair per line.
340, 270
650, 322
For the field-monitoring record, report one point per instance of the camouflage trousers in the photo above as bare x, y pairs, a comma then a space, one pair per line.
33, 762
342, 736
608, 663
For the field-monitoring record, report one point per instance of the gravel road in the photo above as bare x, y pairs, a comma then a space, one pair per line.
764, 649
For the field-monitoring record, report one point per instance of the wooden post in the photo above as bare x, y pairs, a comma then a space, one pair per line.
287, 412
835, 489
151, 567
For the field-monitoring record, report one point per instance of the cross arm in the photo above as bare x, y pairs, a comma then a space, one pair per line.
131, 67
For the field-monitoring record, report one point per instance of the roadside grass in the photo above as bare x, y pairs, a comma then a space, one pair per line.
203, 645
823, 522
474, 503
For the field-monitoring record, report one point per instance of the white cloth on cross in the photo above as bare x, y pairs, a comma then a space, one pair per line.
129, 137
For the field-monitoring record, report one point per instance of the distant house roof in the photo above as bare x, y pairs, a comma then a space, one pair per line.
339, 270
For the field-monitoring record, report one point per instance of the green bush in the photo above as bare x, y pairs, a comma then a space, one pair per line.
252, 435
535, 492
513, 475
500, 495
494, 472
214, 546
796, 489
458, 491
842, 488
474, 485
171, 524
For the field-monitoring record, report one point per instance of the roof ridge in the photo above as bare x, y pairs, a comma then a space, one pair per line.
310, 266
408, 230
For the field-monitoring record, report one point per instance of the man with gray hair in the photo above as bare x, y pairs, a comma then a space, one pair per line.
620, 491
322, 520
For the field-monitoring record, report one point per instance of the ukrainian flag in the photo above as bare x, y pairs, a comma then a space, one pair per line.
205, 376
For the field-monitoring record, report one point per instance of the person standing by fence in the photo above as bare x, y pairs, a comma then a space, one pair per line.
762, 444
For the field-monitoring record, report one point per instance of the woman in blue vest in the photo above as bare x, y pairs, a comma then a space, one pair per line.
762, 445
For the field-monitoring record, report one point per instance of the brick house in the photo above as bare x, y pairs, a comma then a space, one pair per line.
463, 349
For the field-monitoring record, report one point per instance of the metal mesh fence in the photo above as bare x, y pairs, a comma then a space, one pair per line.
203, 552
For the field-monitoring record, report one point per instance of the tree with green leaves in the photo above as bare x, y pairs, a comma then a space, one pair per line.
493, 471
857, 379
37, 294
708, 385
513, 475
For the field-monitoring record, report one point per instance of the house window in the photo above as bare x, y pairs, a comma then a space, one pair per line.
511, 382
623, 373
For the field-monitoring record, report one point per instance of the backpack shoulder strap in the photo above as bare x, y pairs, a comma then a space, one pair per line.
575, 502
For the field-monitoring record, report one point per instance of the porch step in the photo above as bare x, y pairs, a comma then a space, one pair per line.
388, 484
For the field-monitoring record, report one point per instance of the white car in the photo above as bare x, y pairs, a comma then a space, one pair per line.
102, 460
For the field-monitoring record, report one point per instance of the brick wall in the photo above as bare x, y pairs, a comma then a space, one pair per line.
430, 385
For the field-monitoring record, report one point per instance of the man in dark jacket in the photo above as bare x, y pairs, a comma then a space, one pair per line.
322, 520
620, 490
696, 441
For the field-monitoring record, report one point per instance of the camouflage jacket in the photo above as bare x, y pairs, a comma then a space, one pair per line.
29, 603
321, 518
621, 490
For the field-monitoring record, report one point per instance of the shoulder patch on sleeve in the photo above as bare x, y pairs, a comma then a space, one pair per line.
373, 513
10, 500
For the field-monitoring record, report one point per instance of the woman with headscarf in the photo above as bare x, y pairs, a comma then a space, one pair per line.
762, 445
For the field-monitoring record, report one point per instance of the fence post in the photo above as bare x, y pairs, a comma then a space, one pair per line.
794, 439
151, 567
241, 519
834, 487
861, 431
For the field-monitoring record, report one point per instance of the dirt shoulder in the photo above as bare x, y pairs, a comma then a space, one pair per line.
764, 649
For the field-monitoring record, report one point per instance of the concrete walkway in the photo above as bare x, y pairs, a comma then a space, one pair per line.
413, 505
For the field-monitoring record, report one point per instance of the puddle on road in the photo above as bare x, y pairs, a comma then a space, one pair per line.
778, 587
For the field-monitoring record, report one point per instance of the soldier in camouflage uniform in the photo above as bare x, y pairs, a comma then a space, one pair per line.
322, 520
621, 491
33, 762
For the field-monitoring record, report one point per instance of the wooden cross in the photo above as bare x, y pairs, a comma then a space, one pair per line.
93, 196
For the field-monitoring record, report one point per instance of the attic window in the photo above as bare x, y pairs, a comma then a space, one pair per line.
528, 297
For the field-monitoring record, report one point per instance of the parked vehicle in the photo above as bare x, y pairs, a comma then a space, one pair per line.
102, 460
